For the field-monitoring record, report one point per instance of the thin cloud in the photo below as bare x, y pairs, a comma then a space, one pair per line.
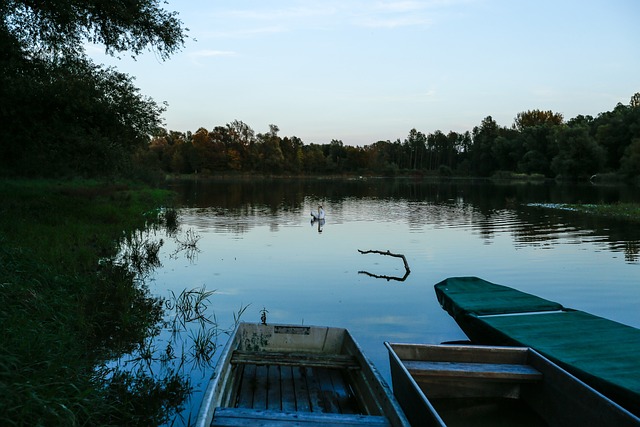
207, 53
394, 22
250, 23
296, 15
245, 32
404, 13
286, 14
256, 21
199, 55
401, 6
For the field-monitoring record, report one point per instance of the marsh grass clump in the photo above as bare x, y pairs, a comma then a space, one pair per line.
205, 344
187, 245
190, 306
39, 354
191, 315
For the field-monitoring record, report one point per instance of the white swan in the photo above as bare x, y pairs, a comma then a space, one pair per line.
318, 215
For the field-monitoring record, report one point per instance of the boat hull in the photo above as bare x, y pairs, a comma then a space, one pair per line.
446, 385
280, 374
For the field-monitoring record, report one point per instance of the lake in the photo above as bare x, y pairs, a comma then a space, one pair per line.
253, 243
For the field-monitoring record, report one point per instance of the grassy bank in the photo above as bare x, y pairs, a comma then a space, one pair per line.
629, 212
65, 309
621, 211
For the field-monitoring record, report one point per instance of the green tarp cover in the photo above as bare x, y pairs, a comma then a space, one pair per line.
462, 295
603, 353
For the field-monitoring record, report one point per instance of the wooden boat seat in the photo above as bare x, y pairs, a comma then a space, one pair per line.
237, 417
486, 371
337, 361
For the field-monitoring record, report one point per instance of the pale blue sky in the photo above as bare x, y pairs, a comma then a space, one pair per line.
362, 71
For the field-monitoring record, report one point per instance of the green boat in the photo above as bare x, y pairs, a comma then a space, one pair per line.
602, 353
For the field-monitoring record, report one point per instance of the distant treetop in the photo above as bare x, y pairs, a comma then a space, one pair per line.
537, 117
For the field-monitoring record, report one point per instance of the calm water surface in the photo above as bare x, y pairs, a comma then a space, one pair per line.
258, 250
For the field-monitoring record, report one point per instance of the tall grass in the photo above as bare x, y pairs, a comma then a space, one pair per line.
66, 308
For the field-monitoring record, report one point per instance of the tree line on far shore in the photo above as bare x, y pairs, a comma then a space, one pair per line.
539, 143
63, 115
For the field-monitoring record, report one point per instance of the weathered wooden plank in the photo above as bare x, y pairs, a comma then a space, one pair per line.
260, 393
274, 396
344, 394
247, 387
301, 389
287, 389
497, 371
462, 353
236, 417
295, 359
329, 395
236, 375
316, 395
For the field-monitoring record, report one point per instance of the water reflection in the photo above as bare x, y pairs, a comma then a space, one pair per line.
281, 193
255, 248
157, 345
489, 208
318, 223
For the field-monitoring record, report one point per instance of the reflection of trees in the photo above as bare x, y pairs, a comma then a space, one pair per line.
545, 226
146, 346
120, 310
144, 400
149, 345
125, 318
159, 367
632, 251
540, 227
139, 253
488, 207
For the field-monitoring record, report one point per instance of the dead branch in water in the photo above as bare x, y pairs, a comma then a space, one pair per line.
388, 253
